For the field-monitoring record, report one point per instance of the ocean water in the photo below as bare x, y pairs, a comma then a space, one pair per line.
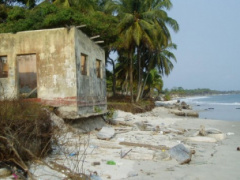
219, 107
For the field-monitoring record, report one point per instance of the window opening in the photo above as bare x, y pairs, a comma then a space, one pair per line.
84, 64
3, 67
98, 68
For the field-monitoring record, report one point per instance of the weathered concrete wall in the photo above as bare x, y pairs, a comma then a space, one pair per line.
56, 67
8, 85
60, 82
91, 90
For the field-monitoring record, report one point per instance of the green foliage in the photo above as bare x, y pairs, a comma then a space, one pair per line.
16, 13
167, 97
137, 30
97, 109
47, 15
200, 91
3, 13
110, 113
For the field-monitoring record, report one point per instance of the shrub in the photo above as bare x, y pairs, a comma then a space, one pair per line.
25, 131
167, 97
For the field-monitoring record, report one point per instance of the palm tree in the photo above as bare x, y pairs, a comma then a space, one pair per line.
153, 82
142, 25
160, 60
84, 6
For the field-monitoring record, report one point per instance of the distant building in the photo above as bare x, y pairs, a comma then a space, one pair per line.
59, 67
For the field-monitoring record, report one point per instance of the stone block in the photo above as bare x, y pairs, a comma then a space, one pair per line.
181, 153
106, 133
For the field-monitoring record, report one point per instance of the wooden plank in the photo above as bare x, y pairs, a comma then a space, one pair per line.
160, 147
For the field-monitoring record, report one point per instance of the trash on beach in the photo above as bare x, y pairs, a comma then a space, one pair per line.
72, 154
95, 177
132, 174
96, 163
111, 162
124, 154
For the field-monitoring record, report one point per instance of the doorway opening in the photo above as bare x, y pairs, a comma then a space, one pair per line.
27, 75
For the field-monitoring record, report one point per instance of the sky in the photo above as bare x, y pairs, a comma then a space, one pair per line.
208, 54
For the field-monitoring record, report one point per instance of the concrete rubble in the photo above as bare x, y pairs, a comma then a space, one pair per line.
154, 136
181, 153
106, 133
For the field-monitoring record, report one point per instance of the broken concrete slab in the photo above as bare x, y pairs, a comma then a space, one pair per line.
88, 124
141, 126
106, 133
176, 131
181, 154
218, 137
202, 139
213, 131
162, 155
57, 121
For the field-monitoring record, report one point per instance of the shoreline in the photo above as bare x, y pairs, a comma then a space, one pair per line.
216, 107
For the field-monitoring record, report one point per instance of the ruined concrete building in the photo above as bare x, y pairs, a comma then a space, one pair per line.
59, 67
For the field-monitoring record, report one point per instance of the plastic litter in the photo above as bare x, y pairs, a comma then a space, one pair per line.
95, 177
96, 163
132, 174
111, 163
73, 154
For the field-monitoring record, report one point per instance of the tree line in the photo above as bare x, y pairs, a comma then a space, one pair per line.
137, 30
179, 91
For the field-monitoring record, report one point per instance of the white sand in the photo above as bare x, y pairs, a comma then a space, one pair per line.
219, 160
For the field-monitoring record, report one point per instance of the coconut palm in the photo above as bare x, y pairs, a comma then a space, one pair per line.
153, 82
142, 25
85, 6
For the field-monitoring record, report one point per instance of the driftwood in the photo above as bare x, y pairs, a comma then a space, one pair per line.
184, 113
160, 147
123, 123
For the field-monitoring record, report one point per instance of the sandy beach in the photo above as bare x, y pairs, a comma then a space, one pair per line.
140, 148
218, 159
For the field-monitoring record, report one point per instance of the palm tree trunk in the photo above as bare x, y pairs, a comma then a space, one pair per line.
131, 75
139, 75
114, 77
144, 84
114, 80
